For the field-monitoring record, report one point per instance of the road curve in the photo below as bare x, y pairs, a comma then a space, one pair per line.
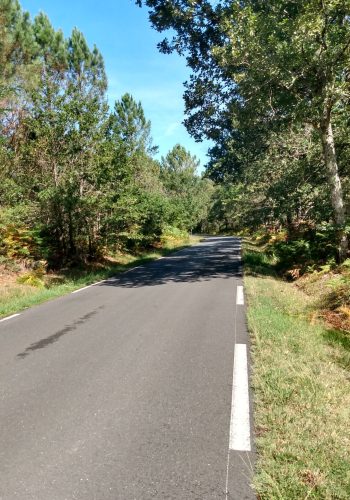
123, 391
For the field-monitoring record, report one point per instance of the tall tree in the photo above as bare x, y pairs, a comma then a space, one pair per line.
188, 193
130, 123
57, 149
17, 52
272, 62
141, 217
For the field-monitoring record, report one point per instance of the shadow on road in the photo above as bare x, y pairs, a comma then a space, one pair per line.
215, 257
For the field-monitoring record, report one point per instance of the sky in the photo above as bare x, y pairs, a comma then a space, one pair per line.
128, 43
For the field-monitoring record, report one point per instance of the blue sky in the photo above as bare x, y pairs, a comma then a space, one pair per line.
123, 34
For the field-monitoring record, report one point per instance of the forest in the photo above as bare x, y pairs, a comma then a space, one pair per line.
79, 180
270, 88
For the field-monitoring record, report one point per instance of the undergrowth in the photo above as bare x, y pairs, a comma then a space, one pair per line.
323, 279
301, 389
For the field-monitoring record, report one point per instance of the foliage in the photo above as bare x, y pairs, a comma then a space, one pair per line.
80, 180
17, 239
172, 235
33, 278
270, 87
189, 195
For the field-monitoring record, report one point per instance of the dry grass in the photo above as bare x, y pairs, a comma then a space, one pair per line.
302, 395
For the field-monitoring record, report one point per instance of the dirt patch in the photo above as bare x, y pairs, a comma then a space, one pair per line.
337, 319
8, 277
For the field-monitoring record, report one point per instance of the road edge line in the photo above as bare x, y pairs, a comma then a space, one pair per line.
9, 317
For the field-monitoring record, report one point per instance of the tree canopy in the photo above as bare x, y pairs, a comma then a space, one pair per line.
77, 180
263, 72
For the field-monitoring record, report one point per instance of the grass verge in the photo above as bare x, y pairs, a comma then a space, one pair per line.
301, 386
15, 297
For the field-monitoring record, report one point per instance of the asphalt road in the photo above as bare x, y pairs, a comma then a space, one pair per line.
123, 391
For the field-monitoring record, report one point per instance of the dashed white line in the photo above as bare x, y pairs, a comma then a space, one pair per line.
240, 296
240, 415
9, 317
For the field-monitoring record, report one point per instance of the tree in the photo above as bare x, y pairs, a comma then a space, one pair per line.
17, 53
188, 193
58, 140
130, 124
77, 181
178, 168
140, 193
271, 63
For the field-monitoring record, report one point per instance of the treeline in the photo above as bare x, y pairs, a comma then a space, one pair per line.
270, 87
77, 179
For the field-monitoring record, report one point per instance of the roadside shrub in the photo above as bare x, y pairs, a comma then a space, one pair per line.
290, 253
257, 263
36, 277
338, 294
174, 233
30, 279
18, 239
314, 250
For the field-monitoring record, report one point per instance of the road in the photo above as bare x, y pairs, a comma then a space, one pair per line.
123, 390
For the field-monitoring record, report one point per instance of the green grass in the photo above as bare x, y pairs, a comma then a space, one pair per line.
16, 297
301, 389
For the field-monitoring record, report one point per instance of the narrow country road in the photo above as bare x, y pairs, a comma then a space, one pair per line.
124, 390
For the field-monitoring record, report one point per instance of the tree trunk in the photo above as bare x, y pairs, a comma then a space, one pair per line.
289, 225
72, 247
335, 184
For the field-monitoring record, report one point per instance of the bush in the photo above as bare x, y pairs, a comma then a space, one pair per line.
314, 249
17, 239
339, 294
174, 233
256, 262
36, 277
290, 253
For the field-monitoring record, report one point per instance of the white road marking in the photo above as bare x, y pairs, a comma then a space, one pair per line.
107, 280
81, 289
240, 296
131, 269
9, 317
240, 417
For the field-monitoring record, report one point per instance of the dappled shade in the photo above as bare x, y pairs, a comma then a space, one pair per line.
217, 258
